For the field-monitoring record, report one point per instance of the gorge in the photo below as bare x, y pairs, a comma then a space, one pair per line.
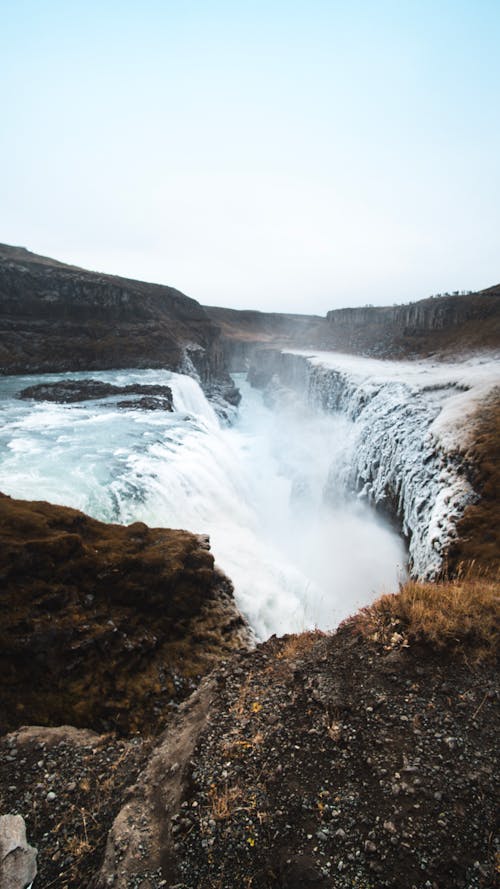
334, 475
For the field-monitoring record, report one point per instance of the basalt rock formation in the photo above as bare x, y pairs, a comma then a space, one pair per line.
56, 317
435, 326
450, 323
104, 626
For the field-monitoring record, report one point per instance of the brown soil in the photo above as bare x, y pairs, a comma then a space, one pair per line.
478, 545
334, 762
314, 762
104, 626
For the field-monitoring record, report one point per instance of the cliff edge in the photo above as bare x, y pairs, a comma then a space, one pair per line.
56, 317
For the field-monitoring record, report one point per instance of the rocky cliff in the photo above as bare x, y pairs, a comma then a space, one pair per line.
361, 759
438, 324
56, 317
101, 625
406, 452
245, 331
435, 326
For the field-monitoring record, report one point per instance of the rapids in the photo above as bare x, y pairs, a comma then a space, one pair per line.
297, 560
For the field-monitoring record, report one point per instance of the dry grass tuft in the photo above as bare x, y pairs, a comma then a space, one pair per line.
223, 802
298, 644
461, 615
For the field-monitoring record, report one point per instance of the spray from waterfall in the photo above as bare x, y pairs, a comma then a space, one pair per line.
257, 488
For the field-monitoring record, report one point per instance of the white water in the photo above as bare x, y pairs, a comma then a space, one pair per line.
412, 423
256, 488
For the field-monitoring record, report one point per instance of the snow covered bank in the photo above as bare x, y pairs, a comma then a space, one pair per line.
405, 451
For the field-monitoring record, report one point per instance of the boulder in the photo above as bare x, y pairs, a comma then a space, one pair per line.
17, 857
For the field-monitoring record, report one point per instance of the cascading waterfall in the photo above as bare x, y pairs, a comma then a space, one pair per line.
409, 435
257, 488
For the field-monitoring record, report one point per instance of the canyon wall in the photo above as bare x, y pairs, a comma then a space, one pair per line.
396, 456
438, 326
445, 323
56, 317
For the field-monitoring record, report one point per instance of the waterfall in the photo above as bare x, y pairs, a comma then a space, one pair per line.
406, 451
257, 488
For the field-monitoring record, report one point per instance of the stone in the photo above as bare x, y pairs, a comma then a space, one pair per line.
17, 858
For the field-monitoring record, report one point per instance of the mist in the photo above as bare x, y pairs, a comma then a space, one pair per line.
299, 551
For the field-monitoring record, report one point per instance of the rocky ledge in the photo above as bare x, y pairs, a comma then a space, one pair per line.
104, 626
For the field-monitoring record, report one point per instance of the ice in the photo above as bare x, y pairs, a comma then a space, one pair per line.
412, 423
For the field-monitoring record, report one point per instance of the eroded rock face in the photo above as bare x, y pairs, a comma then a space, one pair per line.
17, 857
454, 322
55, 317
103, 625
445, 325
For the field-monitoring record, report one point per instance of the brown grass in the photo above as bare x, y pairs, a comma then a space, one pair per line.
223, 802
478, 544
298, 644
461, 615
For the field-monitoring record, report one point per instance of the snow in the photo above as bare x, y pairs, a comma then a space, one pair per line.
411, 427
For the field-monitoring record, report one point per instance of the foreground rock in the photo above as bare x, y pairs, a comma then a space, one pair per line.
69, 784
105, 626
17, 857
320, 761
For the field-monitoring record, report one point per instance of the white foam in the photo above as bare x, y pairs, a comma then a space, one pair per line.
412, 422
256, 489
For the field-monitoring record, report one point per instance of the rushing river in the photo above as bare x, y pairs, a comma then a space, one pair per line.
257, 488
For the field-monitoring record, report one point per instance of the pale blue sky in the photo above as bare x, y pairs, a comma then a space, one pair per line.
289, 156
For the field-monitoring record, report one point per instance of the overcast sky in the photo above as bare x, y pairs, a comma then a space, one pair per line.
288, 156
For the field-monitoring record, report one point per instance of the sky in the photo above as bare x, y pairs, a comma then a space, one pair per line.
283, 156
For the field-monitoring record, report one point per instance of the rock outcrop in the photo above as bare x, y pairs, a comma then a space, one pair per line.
17, 857
105, 626
450, 323
71, 391
56, 317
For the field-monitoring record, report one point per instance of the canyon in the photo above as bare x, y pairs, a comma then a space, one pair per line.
149, 737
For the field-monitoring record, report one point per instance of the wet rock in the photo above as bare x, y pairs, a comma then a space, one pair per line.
71, 391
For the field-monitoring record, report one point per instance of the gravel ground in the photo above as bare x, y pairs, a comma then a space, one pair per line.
313, 762
68, 784
329, 762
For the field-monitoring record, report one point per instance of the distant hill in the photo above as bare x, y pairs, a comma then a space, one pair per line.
57, 317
